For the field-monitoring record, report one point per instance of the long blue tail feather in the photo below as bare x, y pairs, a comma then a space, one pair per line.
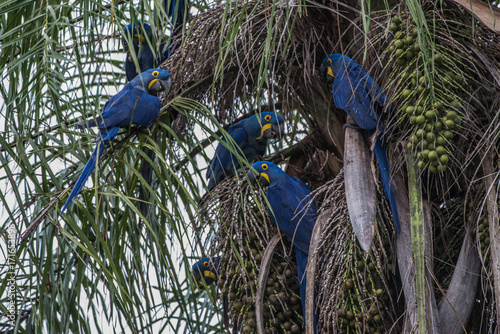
89, 168
385, 174
107, 135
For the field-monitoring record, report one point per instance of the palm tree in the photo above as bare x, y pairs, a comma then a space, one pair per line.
95, 269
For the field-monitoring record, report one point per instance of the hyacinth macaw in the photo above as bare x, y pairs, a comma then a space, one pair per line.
360, 97
135, 104
206, 269
293, 209
251, 135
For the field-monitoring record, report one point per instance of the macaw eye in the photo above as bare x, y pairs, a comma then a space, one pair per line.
205, 264
155, 73
329, 61
267, 118
264, 166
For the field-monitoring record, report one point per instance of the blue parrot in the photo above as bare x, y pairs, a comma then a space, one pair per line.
292, 210
142, 37
251, 136
206, 269
360, 97
135, 104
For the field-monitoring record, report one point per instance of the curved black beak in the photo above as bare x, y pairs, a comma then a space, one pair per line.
262, 178
196, 275
162, 85
322, 71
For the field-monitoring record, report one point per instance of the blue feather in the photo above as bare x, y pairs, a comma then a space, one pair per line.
247, 135
294, 211
355, 92
133, 105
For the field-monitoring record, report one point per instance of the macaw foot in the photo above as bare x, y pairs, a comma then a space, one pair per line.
352, 126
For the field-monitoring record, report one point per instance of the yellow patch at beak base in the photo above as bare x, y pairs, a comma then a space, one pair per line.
210, 274
152, 83
140, 37
264, 128
264, 175
329, 71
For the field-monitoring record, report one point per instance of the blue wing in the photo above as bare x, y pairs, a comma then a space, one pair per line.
295, 215
356, 92
224, 162
132, 106
293, 212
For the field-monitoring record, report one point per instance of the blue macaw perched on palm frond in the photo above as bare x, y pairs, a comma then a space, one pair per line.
360, 97
141, 37
135, 104
206, 269
250, 135
293, 209
140, 34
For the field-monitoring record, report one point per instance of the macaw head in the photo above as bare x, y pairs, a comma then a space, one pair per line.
155, 80
330, 66
265, 172
137, 33
206, 269
268, 124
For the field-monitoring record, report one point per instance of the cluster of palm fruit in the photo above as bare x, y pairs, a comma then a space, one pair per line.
483, 235
241, 263
362, 298
433, 105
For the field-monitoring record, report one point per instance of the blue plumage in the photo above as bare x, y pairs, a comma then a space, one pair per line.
206, 269
133, 105
250, 135
360, 97
141, 36
293, 210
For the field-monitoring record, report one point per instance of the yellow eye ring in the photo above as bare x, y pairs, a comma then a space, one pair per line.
267, 117
155, 73
329, 61
264, 166
205, 264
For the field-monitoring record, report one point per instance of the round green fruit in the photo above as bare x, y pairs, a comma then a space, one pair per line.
444, 159
394, 27
440, 140
440, 150
399, 52
401, 61
410, 110
430, 114
441, 168
433, 155
420, 120
406, 93
398, 43
449, 124
431, 137
451, 115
